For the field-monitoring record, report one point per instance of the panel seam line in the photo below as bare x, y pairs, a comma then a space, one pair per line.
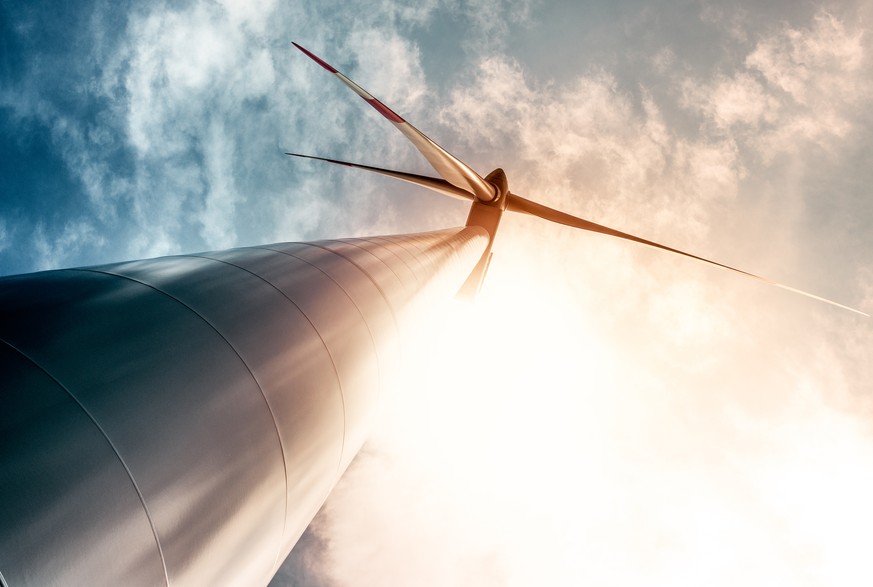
111, 445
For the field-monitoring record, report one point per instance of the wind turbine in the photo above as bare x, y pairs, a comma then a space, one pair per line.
180, 420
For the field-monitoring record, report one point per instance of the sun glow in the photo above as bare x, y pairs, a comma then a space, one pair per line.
527, 445
497, 418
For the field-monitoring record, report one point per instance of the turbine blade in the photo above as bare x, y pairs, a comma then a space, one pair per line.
515, 203
449, 167
432, 183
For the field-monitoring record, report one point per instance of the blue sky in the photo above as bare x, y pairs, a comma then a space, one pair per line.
700, 418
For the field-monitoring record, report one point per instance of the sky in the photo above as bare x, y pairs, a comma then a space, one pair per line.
638, 418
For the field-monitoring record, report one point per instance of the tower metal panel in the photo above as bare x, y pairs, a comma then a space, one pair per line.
180, 420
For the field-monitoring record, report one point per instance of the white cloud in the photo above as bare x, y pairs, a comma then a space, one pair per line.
253, 15
733, 20
55, 251
739, 100
590, 148
815, 64
5, 235
222, 193
390, 63
797, 84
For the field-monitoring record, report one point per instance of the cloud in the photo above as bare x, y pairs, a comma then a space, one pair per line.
190, 78
52, 253
5, 236
488, 32
307, 565
797, 84
589, 147
737, 101
798, 61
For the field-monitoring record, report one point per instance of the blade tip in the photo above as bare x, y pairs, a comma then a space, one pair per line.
315, 58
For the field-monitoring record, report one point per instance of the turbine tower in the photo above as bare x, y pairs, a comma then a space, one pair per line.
180, 420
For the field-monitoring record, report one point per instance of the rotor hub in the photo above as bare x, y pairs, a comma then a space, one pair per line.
497, 178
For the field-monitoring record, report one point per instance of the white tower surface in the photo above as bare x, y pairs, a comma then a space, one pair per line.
180, 420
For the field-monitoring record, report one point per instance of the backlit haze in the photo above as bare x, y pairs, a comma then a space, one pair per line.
604, 414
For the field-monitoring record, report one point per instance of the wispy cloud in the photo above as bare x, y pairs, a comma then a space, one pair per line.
798, 84
5, 236
54, 251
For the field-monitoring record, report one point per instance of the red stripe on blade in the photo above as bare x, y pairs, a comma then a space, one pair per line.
315, 58
384, 110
